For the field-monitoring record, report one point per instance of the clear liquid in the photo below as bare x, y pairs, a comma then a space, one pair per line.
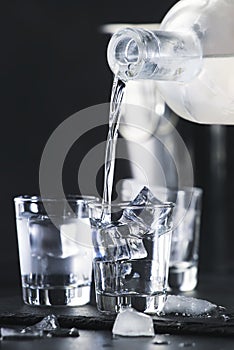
114, 120
55, 290
55, 270
140, 283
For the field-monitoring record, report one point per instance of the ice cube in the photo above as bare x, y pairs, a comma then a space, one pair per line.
132, 234
148, 218
187, 306
108, 244
16, 334
44, 237
122, 238
47, 324
128, 228
69, 248
50, 326
76, 238
136, 248
47, 239
114, 242
145, 196
78, 231
131, 323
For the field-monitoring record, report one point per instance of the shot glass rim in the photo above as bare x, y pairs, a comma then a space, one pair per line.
69, 198
191, 192
126, 204
184, 189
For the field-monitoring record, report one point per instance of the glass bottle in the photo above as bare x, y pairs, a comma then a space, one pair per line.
191, 57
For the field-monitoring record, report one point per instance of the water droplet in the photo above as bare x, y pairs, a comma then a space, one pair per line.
225, 317
161, 342
178, 324
186, 345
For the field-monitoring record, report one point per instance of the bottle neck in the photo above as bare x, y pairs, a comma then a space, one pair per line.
135, 53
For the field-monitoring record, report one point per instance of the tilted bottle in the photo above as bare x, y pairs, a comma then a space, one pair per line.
191, 57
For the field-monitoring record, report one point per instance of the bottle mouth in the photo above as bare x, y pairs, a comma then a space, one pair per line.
136, 53
124, 53
127, 51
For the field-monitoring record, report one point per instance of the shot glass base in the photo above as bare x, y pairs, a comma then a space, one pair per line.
111, 304
182, 279
64, 296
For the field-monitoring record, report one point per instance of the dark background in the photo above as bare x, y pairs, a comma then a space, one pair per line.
53, 64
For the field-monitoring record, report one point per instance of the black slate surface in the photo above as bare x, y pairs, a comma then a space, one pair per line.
14, 312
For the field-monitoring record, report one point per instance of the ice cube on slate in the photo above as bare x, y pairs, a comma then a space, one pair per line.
187, 306
47, 324
50, 326
131, 323
15, 334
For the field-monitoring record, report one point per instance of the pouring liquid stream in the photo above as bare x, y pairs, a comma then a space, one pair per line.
117, 93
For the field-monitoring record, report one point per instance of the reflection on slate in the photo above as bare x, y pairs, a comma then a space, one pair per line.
14, 312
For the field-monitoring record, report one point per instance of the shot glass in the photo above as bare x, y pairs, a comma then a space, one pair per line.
184, 256
55, 250
132, 247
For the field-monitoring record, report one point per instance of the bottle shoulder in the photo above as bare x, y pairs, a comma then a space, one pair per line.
211, 20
